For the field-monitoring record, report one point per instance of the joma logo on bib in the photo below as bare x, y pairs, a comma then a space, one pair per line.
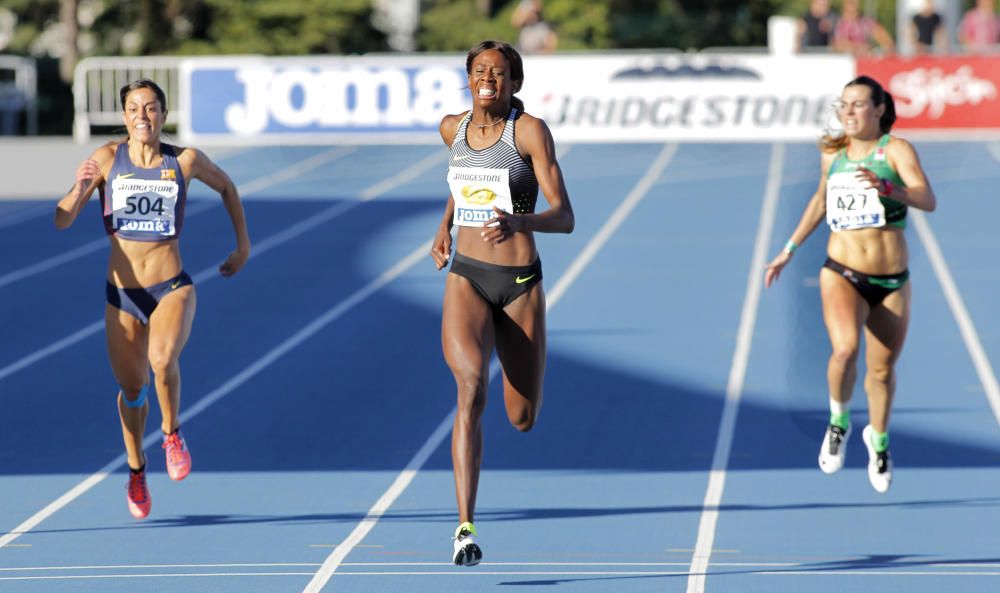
476, 191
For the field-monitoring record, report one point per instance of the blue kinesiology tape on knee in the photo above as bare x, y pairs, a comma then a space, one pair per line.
137, 403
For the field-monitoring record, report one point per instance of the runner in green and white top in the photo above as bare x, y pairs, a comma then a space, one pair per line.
869, 179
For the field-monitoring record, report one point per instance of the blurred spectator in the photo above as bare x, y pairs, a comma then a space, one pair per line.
816, 25
927, 31
979, 31
536, 36
855, 32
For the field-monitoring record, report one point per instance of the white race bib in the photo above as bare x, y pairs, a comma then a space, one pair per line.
476, 190
851, 205
144, 205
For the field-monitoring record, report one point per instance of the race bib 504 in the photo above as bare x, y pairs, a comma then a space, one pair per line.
144, 205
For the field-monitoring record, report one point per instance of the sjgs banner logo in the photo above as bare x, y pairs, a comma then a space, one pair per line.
941, 93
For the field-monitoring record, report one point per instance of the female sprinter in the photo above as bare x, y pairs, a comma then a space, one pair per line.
500, 157
869, 178
143, 185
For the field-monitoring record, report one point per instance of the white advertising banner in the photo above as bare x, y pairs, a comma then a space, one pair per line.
685, 97
622, 97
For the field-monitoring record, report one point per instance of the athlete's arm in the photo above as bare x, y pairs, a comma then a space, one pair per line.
918, 192
202, 168
89, 176
813, 215
441, 246
534, 142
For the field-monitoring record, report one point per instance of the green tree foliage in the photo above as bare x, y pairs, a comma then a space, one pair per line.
280, 27
156, 27
446, 25
455, 25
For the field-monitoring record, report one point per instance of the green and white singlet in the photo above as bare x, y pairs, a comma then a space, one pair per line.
850, 205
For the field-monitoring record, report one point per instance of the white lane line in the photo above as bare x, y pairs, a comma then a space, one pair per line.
163, 566
994, 148
737, 373
481, 573
28, 213
259, 248
617, 218
261, 363
46, 206
966, 327
206, 566
52, 348
196, 207
443, 429
802, 567
227, 387
78, 252
153, 576
878, 573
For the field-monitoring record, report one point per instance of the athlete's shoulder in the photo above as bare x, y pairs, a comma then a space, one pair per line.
449, 126
898, 148
897, 143
106, 151
184, 153
528, 126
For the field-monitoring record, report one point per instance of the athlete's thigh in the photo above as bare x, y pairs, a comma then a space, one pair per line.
843, 308
885, 330
466, 327
170, 324
521, 344
127, 341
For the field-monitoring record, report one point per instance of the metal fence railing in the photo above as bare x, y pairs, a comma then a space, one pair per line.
18, 94
96, 83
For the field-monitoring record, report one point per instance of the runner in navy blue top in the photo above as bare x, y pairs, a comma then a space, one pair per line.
500, 158
143, 185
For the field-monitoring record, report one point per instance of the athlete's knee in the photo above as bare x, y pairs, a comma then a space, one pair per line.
471, 394
163, 361
134, 397
523, 412
880, 374
524, 419
844, 354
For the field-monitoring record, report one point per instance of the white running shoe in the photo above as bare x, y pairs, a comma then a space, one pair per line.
831, 452
467, 551
879, 464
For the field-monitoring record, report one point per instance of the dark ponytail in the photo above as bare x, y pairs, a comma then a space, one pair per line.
513, 58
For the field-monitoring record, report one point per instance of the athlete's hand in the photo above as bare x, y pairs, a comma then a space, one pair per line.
86, 173
501, 226
441, 247
234, 263
869, 179
774, 268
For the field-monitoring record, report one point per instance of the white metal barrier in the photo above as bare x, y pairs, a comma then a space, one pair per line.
18, 93
97, 81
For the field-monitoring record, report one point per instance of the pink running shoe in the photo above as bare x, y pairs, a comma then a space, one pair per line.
178, 457
139, 501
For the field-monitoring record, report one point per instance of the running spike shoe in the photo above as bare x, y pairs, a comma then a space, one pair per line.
831, 452
178, 456
467, 551
137, 494
879, 463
